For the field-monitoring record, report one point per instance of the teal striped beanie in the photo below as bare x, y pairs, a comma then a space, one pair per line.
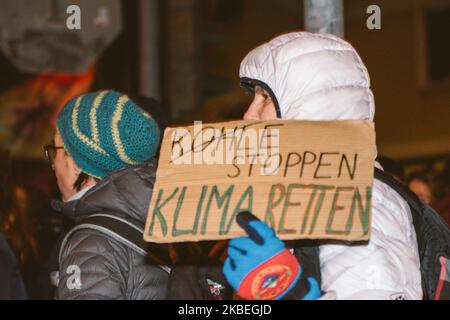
105, 131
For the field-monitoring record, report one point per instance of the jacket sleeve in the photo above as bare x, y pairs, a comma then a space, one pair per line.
388, 266
89, 268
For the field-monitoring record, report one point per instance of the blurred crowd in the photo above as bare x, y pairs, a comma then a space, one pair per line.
104, 157
33, 230
430, 183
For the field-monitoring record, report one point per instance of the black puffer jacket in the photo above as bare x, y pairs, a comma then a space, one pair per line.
107, 268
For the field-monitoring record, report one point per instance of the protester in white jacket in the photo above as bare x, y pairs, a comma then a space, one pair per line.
306, 76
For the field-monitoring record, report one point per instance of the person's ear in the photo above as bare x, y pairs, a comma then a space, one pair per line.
72, 167
77, 170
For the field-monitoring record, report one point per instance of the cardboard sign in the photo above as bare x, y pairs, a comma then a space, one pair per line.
306, 179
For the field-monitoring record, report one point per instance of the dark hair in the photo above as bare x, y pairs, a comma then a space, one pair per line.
422, 176
81, 180
392, 167
441, 182
441, 186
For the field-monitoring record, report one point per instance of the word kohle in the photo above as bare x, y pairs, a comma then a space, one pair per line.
306, 179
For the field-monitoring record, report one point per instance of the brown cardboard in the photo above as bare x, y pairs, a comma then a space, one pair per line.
321, 190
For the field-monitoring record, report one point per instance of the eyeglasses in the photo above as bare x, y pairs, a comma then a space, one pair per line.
50, 151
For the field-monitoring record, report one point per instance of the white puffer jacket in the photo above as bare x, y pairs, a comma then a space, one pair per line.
321, 77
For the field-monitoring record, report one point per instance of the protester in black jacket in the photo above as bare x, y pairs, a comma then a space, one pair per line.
101, 155
11, 284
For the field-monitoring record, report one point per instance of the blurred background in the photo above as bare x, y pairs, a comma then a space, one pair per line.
186, 54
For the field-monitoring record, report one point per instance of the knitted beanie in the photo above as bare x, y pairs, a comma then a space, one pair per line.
105, 131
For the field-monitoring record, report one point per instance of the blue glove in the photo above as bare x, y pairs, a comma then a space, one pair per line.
260, 267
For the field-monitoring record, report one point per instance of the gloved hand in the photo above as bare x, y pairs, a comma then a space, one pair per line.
260, 267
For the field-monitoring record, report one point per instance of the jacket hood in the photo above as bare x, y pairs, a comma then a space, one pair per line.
125, 193
311, 77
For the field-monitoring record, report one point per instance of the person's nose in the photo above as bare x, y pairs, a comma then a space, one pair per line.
252, 113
